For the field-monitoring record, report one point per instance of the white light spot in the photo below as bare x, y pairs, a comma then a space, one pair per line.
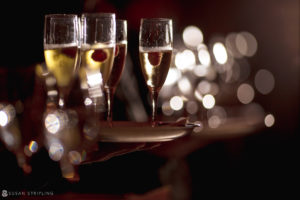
220, 53
192, 36
52, 123
94, 79
176, 103
88, 101
208, 101
185, 60
3, 118
204, 57
269, 120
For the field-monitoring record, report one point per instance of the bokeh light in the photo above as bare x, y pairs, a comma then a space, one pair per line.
56, 151
204, 56
208, 101
176, 103
269, 120
192, 107
246, 44
88, 101
220, 53
245, 93
52, 123
264, 81
75, 157
7, 114
33, 146
192, 36
185, 85
3, 118
185, 60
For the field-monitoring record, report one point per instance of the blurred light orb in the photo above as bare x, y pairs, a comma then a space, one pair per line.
185, 60
7, 114
56, 151
204, 87
176, 103
208, 101
88, 101
204, 57
230, 43
52, 123
192, 36
75, 157
33, 146
214, 121
246, 44
220, 53
185, 85
269, 120
264, 81
201, 70
3, 118
192, 107
173, 76
166, 109
245, 93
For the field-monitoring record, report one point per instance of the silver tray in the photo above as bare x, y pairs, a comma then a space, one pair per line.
126, 131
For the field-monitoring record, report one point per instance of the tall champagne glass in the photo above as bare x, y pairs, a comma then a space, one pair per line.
155, 52
61, 37
98, 39
118, 66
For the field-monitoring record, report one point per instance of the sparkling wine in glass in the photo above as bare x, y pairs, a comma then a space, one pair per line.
118, 66
97, 50
61, 36
155, 52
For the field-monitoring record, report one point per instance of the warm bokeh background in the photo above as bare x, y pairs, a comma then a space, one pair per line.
265, 158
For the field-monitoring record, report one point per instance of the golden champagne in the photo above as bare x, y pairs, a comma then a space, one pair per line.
61, 62
155, 63
98, 58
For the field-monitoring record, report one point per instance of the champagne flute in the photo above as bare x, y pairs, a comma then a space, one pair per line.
98, 39
61, 37
155, 52
118, 66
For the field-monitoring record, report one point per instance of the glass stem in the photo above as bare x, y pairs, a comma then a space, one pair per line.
110, 97
154, 96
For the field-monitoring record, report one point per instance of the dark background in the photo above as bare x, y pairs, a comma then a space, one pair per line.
250, 164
